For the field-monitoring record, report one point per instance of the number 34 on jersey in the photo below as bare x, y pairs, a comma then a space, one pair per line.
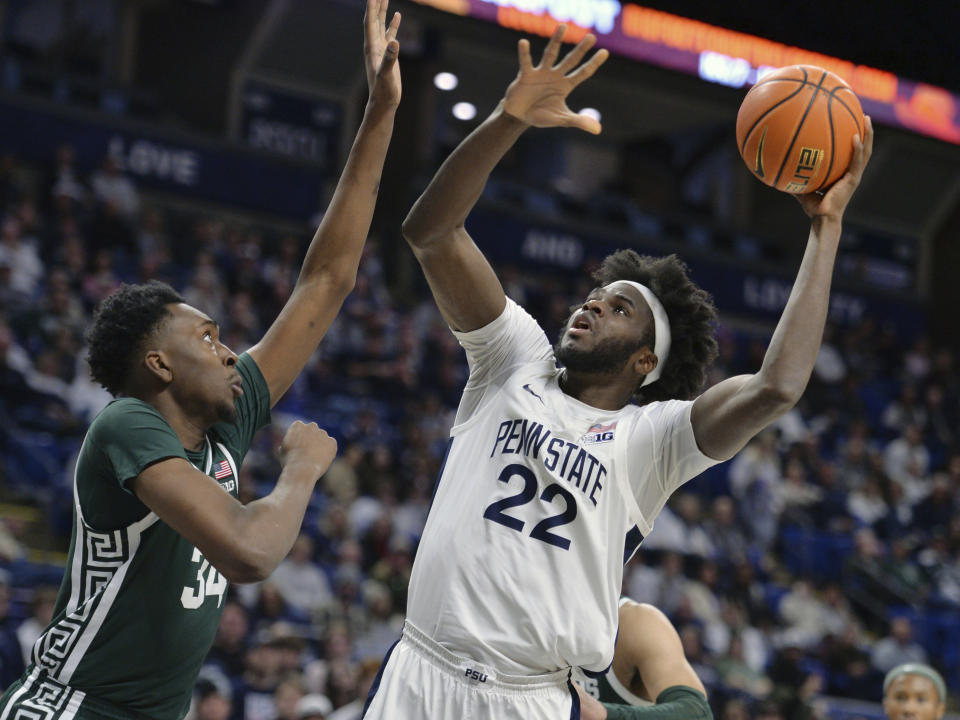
210, 583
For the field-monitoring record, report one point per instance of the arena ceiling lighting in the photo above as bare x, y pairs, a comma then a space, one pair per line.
445, 81
464, 111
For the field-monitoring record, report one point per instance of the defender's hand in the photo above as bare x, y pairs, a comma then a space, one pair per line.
831, 204
538, 95
380, 49
307, 443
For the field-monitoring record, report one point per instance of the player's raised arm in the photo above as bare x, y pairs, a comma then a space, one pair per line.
727, 415
465, 287
330, 268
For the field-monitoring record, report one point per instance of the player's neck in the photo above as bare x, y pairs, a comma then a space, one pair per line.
189, 429
602, 392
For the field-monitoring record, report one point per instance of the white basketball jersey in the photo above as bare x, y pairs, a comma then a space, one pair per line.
540, 502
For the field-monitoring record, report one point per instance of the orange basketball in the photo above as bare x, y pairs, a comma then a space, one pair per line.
795, 128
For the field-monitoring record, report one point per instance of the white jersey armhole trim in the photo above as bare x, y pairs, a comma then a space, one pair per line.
622, 481
623, 692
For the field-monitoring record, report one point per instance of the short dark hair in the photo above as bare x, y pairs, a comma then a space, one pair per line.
123, 321
692, 316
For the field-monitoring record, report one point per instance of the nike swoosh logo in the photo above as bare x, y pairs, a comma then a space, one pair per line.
758, 168
527, 388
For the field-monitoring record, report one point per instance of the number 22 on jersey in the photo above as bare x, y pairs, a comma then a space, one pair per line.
210, 583
542, 530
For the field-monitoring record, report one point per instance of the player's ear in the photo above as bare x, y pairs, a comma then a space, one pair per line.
157, 366
644, 361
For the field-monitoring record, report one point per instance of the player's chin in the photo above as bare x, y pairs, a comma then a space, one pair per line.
227, 410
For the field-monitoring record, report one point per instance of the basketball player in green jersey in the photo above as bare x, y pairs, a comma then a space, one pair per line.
650, 678
158, 530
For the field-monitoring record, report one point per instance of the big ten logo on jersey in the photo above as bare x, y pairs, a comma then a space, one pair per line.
807, 166
599, 433
210, 583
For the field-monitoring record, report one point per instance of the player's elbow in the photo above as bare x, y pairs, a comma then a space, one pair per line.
419, 232
774, 397
249, 566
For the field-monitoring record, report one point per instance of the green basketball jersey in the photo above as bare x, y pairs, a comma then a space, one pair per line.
607, 688
139, 605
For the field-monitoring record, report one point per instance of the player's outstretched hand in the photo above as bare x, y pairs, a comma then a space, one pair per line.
590, 708
832, 203
308, 444
538, 95
380, 50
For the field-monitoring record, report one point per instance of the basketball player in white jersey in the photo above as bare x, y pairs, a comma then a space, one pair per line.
554, 474
650, 678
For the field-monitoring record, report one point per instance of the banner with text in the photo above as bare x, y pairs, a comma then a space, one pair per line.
166, 161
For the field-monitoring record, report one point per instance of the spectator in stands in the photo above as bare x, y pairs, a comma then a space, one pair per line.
115, 190
384, 625
314, 707
230, 642
21, 257
41, 610
211, 702
735, 673
678, 528
723, 530
905, 411
906, 460
898, 647
866, 504
287, 697
301, 583
755, 478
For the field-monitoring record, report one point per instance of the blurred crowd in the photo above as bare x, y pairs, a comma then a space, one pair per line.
824, 554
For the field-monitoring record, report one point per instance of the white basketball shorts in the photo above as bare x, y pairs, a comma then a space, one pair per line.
420, 680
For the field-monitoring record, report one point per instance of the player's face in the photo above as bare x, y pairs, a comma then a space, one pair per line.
912, 697
603, 334
205, 378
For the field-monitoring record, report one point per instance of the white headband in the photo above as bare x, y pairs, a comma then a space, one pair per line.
661, 330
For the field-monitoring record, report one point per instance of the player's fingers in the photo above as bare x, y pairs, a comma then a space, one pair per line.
523, 54
576, 55
552, 50
587, 70
382, 12
394, 27
868, 136
389, 56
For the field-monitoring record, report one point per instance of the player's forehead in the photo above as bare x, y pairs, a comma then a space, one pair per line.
188, 315
185, 319
912, 683
620, 288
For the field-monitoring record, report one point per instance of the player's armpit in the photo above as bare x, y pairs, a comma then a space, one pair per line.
673, 703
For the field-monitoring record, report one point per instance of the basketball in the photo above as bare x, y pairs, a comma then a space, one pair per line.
795, 128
